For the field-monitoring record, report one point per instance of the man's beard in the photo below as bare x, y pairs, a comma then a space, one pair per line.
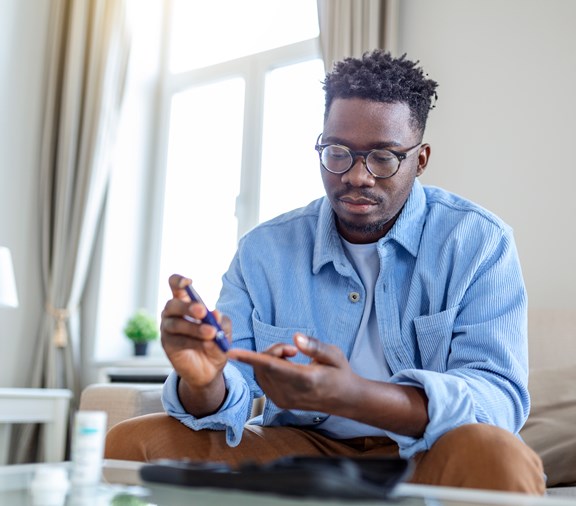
363, 228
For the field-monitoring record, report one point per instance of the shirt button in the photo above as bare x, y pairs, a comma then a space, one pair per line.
354, 296
317, 419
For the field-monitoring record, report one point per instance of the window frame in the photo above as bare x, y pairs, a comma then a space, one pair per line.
253, 69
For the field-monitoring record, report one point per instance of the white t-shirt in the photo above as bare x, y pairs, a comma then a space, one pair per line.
367, 358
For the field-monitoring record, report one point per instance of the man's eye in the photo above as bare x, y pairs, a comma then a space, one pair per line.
337, 154
382, 157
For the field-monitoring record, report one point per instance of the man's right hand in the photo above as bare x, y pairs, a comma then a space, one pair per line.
190, 347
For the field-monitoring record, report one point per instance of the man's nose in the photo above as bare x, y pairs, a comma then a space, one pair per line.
358, 174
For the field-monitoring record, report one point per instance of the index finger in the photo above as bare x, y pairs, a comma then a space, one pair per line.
256, 359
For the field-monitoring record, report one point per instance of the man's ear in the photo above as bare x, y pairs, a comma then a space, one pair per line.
423, 157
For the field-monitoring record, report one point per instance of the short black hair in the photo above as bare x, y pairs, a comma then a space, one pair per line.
379, 77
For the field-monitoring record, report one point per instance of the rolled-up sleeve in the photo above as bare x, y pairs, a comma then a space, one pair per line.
449, 405
231, 417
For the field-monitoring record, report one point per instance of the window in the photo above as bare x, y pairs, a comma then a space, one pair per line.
228, 29
202, 183
293, 111
228, 107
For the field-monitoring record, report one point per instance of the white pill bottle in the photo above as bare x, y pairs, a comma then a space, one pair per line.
88, 436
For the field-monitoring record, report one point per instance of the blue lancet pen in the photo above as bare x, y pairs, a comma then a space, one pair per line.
220, 338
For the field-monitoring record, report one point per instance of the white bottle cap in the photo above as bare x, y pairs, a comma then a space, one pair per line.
49, 486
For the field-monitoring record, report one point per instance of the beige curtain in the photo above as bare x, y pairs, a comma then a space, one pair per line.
87, 57
352, 27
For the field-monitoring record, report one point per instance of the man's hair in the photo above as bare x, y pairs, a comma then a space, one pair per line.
379, 77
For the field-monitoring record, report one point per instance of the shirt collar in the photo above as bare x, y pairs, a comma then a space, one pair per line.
407, 231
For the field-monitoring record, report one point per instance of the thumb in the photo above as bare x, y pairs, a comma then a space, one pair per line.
317, 350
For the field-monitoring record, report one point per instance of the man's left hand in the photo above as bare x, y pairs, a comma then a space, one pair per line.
321, 385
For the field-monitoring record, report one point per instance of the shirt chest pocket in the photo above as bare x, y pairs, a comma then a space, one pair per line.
434, 336
265, 335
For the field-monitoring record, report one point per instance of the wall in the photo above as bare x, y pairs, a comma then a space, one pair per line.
503, 127
22, 41
502, 135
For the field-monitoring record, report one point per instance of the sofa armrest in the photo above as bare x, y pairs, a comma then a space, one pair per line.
550, 428
127, 400
122, 400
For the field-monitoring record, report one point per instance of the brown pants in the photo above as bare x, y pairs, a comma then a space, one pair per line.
472, 456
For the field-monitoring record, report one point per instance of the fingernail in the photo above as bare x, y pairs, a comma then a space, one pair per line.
302, 340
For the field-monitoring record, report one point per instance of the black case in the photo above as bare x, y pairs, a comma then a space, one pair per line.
320, 477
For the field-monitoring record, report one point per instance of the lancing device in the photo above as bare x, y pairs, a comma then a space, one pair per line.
220, 338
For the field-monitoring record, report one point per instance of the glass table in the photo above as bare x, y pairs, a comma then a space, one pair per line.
121, 486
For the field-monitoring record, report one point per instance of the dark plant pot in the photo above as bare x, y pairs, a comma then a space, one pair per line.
140, 349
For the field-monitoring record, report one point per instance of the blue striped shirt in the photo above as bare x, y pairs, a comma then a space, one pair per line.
450, 301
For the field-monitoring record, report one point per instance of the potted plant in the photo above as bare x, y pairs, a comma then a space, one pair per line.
141, 328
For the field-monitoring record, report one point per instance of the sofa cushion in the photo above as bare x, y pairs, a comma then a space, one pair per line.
122, 400
551, 426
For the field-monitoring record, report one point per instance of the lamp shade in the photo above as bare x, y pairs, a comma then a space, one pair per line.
8, 295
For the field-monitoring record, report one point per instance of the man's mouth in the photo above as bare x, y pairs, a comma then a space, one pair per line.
357, 200
357, 204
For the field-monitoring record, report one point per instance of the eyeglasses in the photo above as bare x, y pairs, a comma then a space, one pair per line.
381, 163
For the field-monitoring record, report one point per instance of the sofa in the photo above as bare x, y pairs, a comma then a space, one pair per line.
550, 429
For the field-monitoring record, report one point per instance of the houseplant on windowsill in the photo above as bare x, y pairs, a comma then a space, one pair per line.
141, 328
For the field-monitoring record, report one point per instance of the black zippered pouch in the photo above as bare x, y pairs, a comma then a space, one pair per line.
319, 477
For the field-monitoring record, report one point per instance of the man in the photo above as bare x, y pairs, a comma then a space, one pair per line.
386, 318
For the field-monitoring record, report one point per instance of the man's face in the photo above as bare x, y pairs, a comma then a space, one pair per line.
366, 207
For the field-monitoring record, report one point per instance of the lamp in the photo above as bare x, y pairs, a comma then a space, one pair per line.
8, 295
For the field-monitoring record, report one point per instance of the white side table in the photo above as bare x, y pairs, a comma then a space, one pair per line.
36, 405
